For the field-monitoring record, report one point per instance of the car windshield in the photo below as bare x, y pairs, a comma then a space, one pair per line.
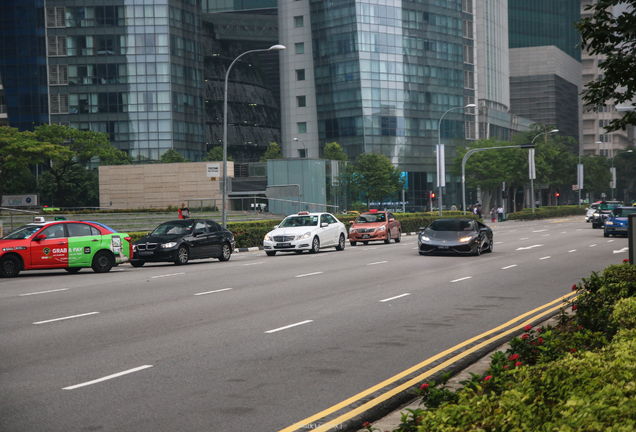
623, 212
609, 206
298, 221
451, 225
174, 227
24, 232
371, 218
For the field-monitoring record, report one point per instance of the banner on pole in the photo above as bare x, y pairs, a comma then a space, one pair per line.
533, 174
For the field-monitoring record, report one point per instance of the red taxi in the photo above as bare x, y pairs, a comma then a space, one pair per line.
68, 245
375, 225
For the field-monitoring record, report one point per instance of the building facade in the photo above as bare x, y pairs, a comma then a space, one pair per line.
134, 71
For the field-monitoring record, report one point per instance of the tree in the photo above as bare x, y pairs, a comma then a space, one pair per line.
70, 147
334, 151
596, 174
273, 152
18, 150
172, 156
79, 186
614, 40
375, 178
216, 154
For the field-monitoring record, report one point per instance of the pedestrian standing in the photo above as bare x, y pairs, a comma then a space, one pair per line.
493, 214
500, 213
184, 212
454, 207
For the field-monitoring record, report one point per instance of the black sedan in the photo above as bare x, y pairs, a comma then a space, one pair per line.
603, 211
181, 240
455, 236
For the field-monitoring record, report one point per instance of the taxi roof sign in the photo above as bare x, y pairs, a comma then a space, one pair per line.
39, 219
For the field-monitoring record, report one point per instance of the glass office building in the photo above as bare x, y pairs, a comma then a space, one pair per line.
384, 74
129, 68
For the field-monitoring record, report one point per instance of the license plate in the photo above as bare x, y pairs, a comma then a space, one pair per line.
283, 244
621, 228
442, 247
365, 236
145, 253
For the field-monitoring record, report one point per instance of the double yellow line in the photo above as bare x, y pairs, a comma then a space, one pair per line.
396, 390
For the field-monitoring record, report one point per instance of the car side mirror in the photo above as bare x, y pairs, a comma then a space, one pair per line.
147, 234
391, 219
275, 226
40, 237
422, 228
324, 224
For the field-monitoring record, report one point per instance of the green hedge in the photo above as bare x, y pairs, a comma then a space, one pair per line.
546, 212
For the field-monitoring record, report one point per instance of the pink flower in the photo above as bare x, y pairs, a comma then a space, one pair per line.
514, 357
574, 307
524, 336
580, 327
538, 330
424, 386
506, 367
573, 350
626, 260
574, 287
518, 364
487, 378
540, 341
527, 328
366, 424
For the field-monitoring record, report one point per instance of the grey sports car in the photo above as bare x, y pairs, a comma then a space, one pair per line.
455, 236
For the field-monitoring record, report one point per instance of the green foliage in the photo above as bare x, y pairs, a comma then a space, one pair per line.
79, 188
410, 420
172, 156
273, 151
433, 394
216, 154
374, 177
334, 151
611, 38
624, 313
596, 173
546, 213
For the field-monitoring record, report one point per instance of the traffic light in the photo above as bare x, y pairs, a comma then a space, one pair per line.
557, 194
426, 195
432, 195
504, 194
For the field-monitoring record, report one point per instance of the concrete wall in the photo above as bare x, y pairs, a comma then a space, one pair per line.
158, 185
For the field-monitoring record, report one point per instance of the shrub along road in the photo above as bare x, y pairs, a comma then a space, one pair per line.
261, 343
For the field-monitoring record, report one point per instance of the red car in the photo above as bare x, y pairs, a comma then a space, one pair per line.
375, 225
68, 245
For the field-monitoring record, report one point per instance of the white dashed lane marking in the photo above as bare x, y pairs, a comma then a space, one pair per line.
212, 292
461, 279
65, 318
510, 266
107, 377
396, 297
289, 326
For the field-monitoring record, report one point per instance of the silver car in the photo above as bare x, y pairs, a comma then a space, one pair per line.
590, 212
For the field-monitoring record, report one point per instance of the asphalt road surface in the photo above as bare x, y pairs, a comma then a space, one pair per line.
259, 343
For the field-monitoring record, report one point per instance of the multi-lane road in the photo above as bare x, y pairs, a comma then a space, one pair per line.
260, 343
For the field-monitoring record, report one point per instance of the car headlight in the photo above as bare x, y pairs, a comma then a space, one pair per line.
134, 248
382, 228
168, 245
267, 238
465, 239
424, 239
304, 236
609, 223
352, 230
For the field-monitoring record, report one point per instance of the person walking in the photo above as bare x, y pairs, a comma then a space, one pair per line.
493, 214
478, 211
184, 212
500, 213
454, 207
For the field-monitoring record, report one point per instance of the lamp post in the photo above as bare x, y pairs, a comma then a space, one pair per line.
227, 74
531, 156
440, 157
613, 170
300, 141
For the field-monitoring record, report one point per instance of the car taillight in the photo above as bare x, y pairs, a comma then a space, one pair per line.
128, 239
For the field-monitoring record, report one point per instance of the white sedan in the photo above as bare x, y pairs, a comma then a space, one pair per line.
306, 231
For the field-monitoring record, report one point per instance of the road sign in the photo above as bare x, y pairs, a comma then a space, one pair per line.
575, 187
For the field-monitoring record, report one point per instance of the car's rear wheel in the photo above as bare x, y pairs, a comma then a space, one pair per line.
10, 266
102, 262
270, 253
73, 270
315, 245
388, 237
352, 243
399, 237
490, 246
341, 243
183, 255
226, 252
137, 263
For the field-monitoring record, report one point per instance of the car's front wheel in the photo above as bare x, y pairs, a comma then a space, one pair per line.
270, 253
352, 243
183, 255
137, 263
226, 252
10, 266
388, 237
606, 234
73, 270
315, 245
399, 237
341, 243
102, 262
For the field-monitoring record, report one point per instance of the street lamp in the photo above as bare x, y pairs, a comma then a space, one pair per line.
440, 172
531, 156
300, 141
613, 170
227, 74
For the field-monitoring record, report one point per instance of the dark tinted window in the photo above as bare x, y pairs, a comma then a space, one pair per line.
200, 227
54, 231
451, 225
213, 226
79, 230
